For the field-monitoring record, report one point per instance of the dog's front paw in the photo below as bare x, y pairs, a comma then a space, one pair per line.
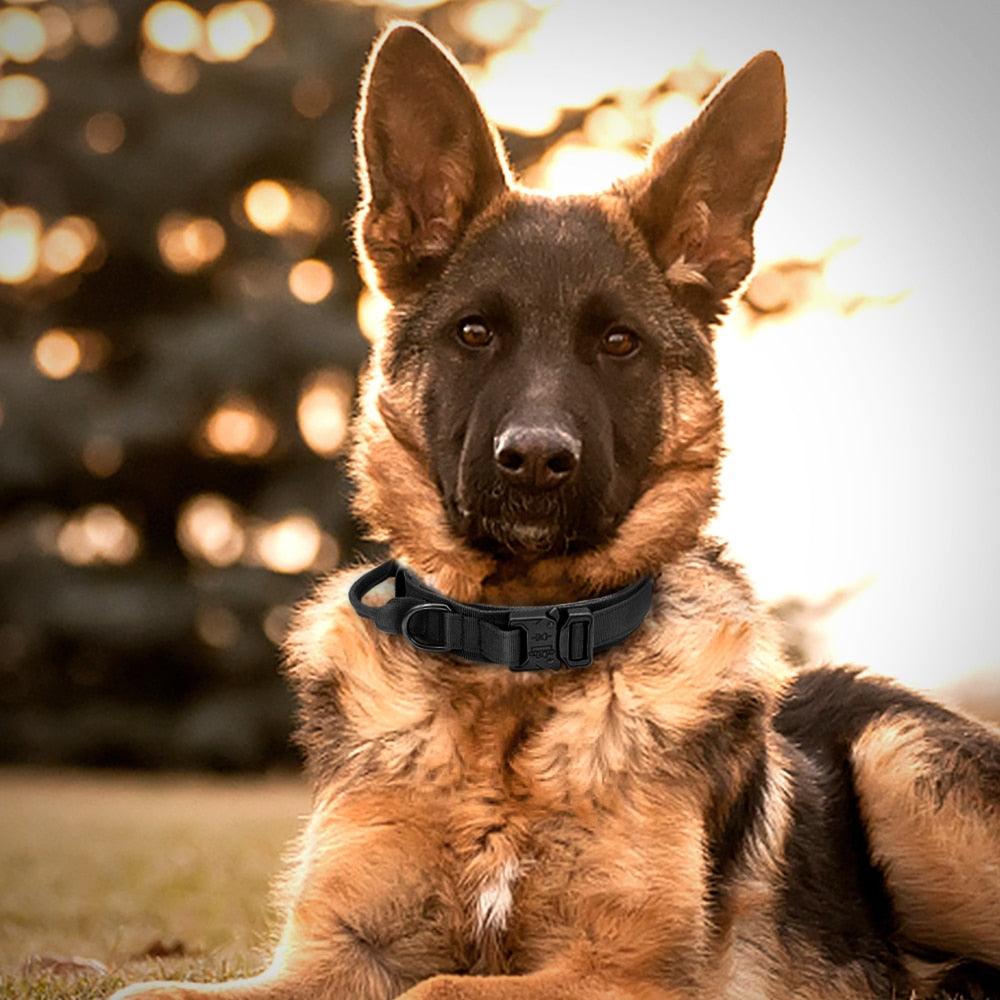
441, 988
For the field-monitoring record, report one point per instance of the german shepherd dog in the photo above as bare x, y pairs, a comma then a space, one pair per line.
689, 816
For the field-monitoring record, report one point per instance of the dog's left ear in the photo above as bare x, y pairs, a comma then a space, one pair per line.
698, 201
429, 161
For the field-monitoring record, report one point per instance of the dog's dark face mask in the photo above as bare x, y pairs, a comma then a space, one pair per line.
550, 358
545, 349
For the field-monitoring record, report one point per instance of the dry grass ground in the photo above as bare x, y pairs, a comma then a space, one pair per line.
104, 866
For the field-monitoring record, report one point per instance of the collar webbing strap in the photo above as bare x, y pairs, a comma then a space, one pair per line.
540, 637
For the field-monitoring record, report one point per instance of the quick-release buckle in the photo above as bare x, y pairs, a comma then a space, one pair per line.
550, 639
414, 640
576, 633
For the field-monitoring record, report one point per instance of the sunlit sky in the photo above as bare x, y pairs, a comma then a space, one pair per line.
863, 442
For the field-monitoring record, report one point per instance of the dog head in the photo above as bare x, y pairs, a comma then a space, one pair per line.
542, 404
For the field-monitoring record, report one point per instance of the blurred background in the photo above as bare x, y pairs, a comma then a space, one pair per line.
182, 324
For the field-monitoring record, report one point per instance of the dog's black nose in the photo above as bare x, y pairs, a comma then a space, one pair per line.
542, 457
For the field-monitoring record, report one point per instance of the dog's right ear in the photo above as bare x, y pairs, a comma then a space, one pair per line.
428, 160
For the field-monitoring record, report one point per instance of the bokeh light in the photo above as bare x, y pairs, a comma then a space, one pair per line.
22, 97
311, 96
491, 22
323, 411
238, 428
210, 528
230, 32
310, 281
97, 24
59, 30
217, 626
57, 354
68, 243
104, 132
290, 545
574, 166
20, 242
98, 534
22, 34
173, 27
268, 205
168, 73
102, 455
188, 243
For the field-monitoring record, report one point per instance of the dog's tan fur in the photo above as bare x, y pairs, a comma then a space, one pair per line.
490, 835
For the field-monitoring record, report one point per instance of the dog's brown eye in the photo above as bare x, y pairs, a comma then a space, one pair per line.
619, 341
473, 331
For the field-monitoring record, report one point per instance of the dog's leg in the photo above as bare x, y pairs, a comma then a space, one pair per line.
928, 782
363, 915
548, 984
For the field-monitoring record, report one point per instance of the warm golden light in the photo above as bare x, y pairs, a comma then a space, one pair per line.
230, 32
57, 354
22, 34
98, 534
310, 212
261, 19
104, 132
58, 27
188, 244
67, 244
217, 626
509, 105
103, 456
608, 125
168, 73
173, 27
20, 237
268, 205
22, 97
97, 24
276, 622
324, 410
310, 281
311, 96
491, 23
572, 166
210, 528
290, 545
373, 308
671, 113
238, 428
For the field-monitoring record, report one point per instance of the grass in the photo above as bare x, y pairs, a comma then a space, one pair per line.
104, 866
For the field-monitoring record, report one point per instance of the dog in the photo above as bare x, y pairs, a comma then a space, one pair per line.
689, 816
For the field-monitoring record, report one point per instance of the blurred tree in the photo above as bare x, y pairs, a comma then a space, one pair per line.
178, 345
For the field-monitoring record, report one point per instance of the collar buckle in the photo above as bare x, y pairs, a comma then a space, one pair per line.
562, 636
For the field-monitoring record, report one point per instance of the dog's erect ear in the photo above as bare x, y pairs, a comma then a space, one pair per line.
429, 161
698, 201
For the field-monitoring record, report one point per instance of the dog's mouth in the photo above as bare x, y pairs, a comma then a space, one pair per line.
509, 523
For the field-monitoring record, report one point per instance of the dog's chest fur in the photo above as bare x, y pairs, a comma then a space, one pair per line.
533, 795
542, 807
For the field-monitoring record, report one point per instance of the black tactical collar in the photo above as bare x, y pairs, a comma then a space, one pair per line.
542, 637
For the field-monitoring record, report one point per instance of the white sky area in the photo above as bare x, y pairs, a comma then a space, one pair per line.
863, 447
